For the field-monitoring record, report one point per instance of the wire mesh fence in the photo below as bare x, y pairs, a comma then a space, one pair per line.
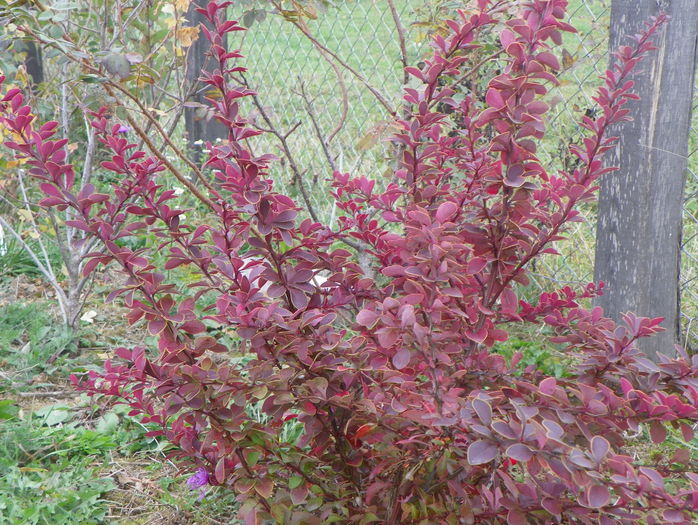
315, 92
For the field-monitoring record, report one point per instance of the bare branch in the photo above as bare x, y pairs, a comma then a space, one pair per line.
60, 294
401, 39
49, 268
297, 174
316, 126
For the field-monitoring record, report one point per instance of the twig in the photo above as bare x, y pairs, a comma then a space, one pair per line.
401, 39
178, 174
316, 126
162, 133
127, 22
471, 72
297, 174
55, 393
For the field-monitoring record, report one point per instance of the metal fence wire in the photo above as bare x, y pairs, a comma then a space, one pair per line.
303, 88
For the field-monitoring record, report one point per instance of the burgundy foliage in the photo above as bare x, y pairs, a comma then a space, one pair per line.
406, 414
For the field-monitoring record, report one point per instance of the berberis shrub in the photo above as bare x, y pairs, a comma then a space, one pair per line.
403, 414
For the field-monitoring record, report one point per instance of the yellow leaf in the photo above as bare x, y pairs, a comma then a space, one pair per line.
567, 59
290, 15
186, 36
89, 316
181, 5
26, 215
158, 112
21, 76
15, 163
368, 141
381, 129
310, 11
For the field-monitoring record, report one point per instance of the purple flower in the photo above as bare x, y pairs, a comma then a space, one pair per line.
198, 481
123, 129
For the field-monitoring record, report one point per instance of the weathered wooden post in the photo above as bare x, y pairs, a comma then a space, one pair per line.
199, 128
640, 207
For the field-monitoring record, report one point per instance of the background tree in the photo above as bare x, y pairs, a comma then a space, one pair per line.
640, 218
200, 125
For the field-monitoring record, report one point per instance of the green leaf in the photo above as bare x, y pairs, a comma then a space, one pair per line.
252, 457
54, 414
294, 482
8, 410
117, 64
91, 79
107, 424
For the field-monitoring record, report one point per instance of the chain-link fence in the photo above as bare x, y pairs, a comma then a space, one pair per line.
317, 91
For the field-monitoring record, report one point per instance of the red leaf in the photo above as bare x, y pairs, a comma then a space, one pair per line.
599, 448
687, 432
446, 211
547, 386
220, 471
156, 326
657, 432
364, 430
516, 517
483, 410
264, 487
553, 506
243, 485
299, 494
367, 318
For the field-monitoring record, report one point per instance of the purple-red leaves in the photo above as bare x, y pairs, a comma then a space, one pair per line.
446, 211
483, 410
367, 318
519, 452
599, 448
359, 382
481, 452
401, 358
597, 496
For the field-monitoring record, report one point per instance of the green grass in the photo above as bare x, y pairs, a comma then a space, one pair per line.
78, 460
69, 463
50, 473
28, 338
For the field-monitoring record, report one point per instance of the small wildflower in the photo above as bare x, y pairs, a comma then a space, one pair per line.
199, 481
123, 129
178, 190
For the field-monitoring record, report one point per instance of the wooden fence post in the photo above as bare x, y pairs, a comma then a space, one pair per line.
640, 207
199, 128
